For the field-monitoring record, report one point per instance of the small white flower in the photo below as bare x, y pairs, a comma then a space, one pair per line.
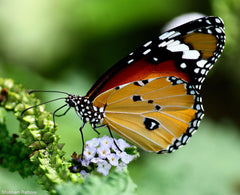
121, 166
103, 167
94, 142
96, 160
116, 149
126, 158
84, 173
89, 152
85, 162
113, 159
103, 152
106, 141
122, 144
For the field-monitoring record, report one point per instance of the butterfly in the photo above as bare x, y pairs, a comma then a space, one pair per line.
152, 96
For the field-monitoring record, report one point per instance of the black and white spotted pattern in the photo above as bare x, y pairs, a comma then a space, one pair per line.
170, 45
194, 124
85, 110
151, 124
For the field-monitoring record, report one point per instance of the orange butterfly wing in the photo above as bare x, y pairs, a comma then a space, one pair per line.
156, 114
151, 97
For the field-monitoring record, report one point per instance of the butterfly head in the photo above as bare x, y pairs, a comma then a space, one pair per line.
73, 100
82, 105
85, 110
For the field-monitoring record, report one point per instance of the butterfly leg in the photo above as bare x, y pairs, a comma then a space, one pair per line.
83, 143
56, 115
95, 129
110, 132
59, 115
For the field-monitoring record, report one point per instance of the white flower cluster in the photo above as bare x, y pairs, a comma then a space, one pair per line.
103, 154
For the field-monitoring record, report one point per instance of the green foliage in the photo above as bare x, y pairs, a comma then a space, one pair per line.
13, 153
38, 151
115, 183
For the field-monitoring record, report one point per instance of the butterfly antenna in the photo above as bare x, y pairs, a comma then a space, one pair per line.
41, 104
33, 91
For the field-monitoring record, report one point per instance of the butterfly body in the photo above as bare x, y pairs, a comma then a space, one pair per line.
152, 96
85, 109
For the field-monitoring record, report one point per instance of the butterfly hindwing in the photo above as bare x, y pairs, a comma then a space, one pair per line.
155, 114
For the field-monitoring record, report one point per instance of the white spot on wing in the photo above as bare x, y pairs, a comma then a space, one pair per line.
166, 35
164, 43
209, 31
218, 30
201, 63
146, 52
180, 47
218, 20
196, 70
192, 54
130, 61
101, 109
207, 21
174, 43
203, 71
174, 35
147, 44
152, 125
208, 65
183, 65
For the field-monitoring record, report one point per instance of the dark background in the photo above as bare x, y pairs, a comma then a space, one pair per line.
67, 45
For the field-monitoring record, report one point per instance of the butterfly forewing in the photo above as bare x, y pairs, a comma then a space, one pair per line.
152, 113
188, 52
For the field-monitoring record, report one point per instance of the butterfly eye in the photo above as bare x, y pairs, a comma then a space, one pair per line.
70, 101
